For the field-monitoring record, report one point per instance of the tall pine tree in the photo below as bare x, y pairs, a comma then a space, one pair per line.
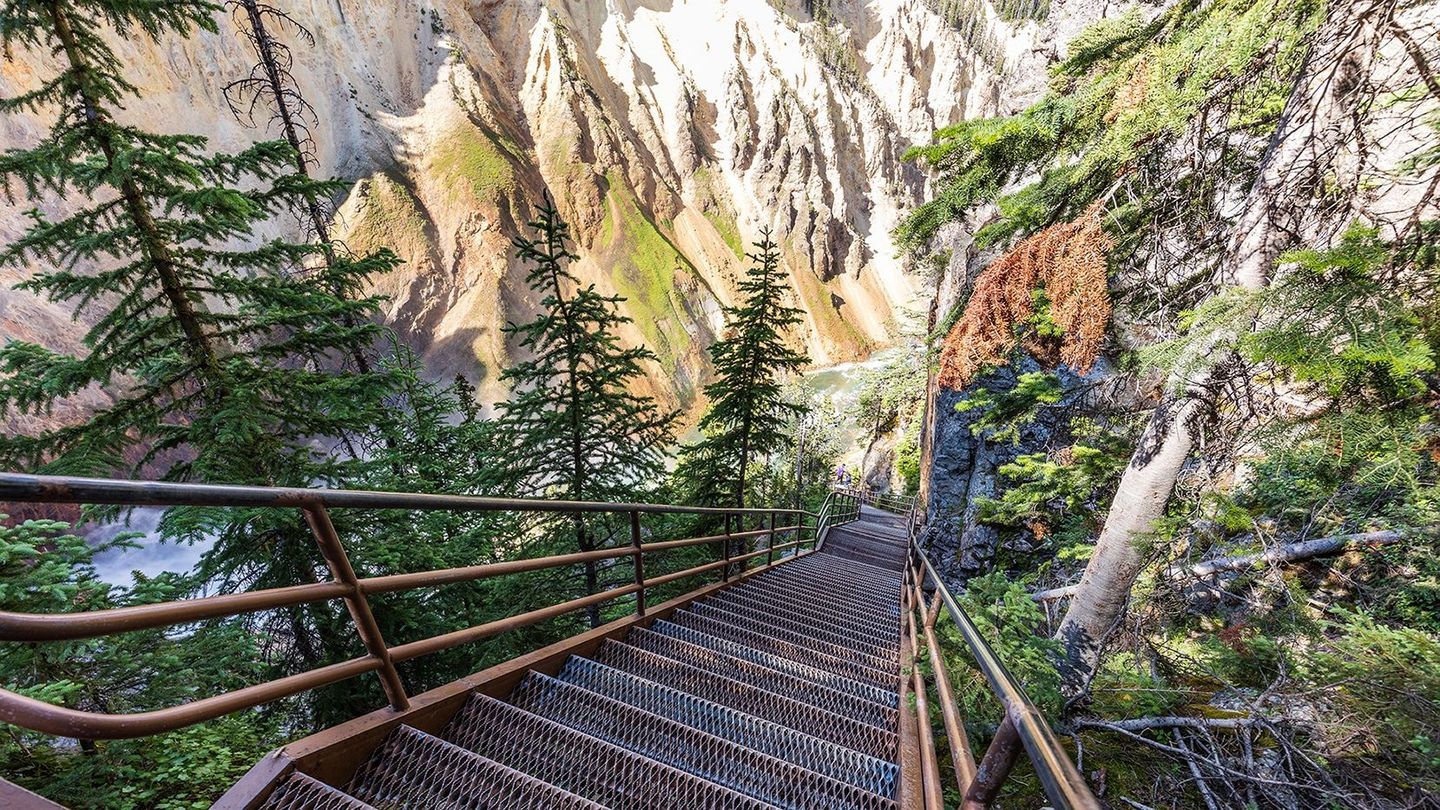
271, 87
196, 343
748, 411
213, 357
579, 430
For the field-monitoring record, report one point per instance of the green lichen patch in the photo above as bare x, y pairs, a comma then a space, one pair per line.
728, 230
824, 311
646, 268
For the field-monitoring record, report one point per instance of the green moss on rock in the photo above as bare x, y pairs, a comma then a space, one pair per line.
390, 217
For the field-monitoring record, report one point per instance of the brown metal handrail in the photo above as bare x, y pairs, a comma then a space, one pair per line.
381, 657
1023, 727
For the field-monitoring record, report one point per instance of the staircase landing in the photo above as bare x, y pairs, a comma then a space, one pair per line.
779, 690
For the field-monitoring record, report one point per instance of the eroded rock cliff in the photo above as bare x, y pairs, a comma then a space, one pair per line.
670, 134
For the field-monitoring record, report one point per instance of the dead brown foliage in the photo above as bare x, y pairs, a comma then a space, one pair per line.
1132, 93
1067, 261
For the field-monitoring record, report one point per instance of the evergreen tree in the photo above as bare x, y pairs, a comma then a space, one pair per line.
196, 343
213, 356
748, 411
578, 430
44, 569
271, 87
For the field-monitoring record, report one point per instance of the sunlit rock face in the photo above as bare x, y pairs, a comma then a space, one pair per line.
669, 134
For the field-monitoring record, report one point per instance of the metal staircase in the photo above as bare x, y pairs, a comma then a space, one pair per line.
780, 691
794, 681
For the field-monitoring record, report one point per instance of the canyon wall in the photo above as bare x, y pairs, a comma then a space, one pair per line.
669, 134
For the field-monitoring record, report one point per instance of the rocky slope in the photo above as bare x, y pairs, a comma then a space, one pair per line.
670, 134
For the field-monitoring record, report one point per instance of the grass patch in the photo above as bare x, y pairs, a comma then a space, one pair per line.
728, 231
645, 266
828, 320
390, 217
471, 162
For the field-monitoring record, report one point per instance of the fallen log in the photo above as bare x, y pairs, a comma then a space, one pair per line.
1277, 555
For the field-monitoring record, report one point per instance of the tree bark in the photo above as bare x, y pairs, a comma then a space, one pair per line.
1317, 122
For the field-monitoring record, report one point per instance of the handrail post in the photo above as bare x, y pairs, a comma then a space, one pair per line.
639, 557
960, 754
725, 570
994, 767
770, 544
929, 767
334, 553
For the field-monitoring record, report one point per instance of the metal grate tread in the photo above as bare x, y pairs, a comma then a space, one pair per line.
766, 655
878, 572
414, 769
735, 766
862, 650
827, 658
768, 600
874, 611
822, 756
581, 763
300, 792
840, 558
878, 544
801, 588
763, 677
866, 555
859, 736
876, 578
781, 583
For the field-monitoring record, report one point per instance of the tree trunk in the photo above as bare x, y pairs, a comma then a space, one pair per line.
1316, 124
153, 242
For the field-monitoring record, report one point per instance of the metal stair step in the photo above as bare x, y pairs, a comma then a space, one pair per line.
735, 766
771, 680
822, 655
799, 587
580, 763
830, 634
300, 792
865, 557
415, 769
808, 612
862, 650
830, 569
685, 627
822, 756
866, 542
840, 559
866, 738
799, 591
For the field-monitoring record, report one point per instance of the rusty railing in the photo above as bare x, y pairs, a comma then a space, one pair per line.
381, 655
1023, 727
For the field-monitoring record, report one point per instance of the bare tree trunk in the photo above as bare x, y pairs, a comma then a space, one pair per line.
1317, 123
